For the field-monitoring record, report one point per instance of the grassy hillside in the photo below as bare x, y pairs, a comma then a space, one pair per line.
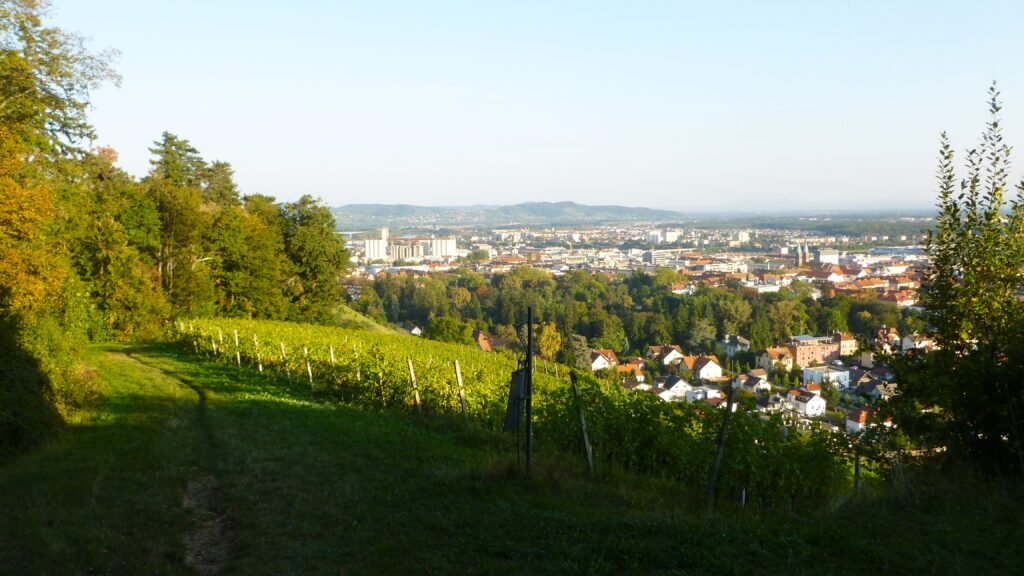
346, 317
193, 467
635, 432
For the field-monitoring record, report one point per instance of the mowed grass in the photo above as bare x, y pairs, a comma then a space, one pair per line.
194, 467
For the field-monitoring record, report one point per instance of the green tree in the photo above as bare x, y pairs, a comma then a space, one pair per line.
971, 292
702, 335
45, 79
318, 257
837, 319
784, 316
174, 185
576, 352
735, 312
448, 329
248, 265
121, 280
218, 184
549, 341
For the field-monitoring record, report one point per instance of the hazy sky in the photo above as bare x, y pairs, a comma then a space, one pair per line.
683, 105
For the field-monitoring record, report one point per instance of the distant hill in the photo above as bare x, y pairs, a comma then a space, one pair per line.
532, 213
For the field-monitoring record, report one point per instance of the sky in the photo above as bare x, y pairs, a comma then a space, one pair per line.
692, 106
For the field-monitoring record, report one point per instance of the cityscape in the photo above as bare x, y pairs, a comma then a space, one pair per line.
604, 288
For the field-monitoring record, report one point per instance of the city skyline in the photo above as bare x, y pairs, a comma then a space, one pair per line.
774, 108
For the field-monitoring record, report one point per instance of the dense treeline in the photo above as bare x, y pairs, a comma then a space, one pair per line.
624, 313
89, 252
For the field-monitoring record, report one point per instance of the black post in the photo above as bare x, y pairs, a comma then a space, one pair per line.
856, 468
713, 483
529, 388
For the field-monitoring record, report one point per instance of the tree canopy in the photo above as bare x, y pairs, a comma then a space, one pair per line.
968, 397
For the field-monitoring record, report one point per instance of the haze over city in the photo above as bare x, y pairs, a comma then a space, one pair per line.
676, 105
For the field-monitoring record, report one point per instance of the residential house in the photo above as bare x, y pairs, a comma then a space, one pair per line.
902, 298
889, 337
682, 288
702, 367
602, 359
857, 420
877, 390
811, 350
666, 355
672, 388
828, 276
720, 402
772, 404
805, 403
756, 384
918, 341
777, 358
872, 284
701, 393
884, 391
630, 372
759, 373
733, 345
859, 376
854, 273
883, 372
847, 343
903, 283
840, 377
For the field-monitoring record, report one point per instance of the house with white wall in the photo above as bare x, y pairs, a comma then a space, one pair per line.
806, 403
839, 377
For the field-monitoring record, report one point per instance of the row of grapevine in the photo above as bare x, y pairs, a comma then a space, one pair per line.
369, 369
630, 430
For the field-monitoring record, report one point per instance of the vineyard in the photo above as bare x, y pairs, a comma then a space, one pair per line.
635, 432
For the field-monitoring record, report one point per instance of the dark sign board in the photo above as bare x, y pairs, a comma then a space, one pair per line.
516, 395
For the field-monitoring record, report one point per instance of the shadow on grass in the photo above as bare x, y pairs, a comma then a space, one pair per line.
312, 487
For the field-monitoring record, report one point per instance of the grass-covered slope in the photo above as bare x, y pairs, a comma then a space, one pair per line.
193, 467
346, 317
632, 431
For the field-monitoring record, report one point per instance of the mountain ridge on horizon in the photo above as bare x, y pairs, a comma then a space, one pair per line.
564, 212
572, 213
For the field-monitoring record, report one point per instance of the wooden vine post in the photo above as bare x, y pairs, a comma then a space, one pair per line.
238, 351
462, 390
359, 372
332, 354
309, 370
583, 425
415, 390
256, 345
284, 359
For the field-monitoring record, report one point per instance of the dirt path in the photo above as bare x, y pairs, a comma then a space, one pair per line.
208, 545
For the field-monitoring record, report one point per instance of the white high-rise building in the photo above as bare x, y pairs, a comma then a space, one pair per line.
442, 248
378, 249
